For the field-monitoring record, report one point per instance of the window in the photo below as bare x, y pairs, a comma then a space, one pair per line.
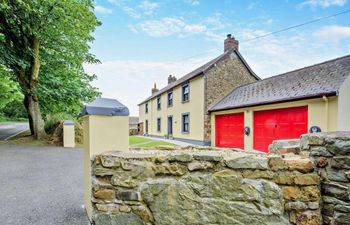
185, 122
146, 107
158, 124
185, 92
170, 98
158, 103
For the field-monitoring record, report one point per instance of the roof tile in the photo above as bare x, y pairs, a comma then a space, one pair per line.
313, 81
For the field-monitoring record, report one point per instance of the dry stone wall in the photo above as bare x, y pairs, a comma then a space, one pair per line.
195, 187
330, 152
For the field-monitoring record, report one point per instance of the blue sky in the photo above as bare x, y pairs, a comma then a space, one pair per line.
142, 42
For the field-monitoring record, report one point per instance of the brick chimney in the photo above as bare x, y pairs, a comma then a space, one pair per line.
230, 43
171, 79
154, 89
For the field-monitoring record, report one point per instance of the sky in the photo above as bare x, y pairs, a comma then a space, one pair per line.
144, 41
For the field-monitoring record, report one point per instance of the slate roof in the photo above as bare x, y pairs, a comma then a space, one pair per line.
133, 120
202, 70
322, 79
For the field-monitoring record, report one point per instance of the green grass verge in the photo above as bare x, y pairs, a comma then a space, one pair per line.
142, 142
25, 138
6, 119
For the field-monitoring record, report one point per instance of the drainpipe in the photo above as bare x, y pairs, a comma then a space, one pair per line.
325, 99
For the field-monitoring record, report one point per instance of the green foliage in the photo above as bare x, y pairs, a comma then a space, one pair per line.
53, 73
9, 90
53, 120
6, 119
15, 110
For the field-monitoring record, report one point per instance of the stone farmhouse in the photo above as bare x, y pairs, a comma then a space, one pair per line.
180, 110
225, 104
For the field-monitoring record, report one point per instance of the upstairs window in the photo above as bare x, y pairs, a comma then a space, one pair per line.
185, 122
170, 98
185, 92
146, 107
158, 103
158, 124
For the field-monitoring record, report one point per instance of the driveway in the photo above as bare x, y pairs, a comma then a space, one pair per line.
41, 186
10, 129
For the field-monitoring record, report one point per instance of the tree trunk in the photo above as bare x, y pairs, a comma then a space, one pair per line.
30, 119
29, 83
35, 119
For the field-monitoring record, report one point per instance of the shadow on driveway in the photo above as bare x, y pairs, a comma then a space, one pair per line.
41, 186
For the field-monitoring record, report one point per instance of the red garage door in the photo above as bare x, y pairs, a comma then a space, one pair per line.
229, 130
278, 124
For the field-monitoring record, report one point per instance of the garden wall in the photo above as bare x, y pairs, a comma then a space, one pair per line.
307, 185
195, 187
330, 152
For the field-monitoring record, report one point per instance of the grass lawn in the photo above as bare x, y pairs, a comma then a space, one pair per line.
143, 142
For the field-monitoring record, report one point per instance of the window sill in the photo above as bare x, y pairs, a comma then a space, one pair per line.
185, 132
169, 106
186, 101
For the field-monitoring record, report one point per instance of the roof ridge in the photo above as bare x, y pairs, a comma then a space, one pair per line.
285, 73
206, 67
294, 73
306, 67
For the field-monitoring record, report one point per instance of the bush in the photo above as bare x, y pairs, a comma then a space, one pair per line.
15, 111
54, 120
54, 127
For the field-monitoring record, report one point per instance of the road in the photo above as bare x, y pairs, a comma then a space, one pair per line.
10, 129
41, 186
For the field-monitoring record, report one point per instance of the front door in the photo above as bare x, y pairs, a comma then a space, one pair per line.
170, 125
146, 124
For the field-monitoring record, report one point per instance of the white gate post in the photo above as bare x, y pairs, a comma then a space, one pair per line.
106, 128
68, 134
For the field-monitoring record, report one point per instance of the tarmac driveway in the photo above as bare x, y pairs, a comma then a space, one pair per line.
41, 186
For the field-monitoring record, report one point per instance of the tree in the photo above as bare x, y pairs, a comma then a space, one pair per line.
44, 43
9, 90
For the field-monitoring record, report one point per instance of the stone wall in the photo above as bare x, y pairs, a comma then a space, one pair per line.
330, 152
219, 81
195, 187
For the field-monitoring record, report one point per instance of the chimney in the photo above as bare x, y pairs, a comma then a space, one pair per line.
171, 79
154, 89
230, 43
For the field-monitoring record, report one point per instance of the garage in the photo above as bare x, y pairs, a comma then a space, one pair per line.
270, 125
229, 130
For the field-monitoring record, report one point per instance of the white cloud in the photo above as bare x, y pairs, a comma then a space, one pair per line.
282, 53
333, 33
192, 2
322, 3
131, 81
170, 25
215, 21
208, 27
131, 12
145, 8
101, 9
148, 7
